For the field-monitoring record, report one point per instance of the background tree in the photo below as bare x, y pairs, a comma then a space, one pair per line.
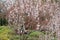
44, 13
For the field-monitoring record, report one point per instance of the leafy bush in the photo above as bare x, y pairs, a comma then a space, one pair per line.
36, 34
7, 33
3, 21
4, 33
33, 35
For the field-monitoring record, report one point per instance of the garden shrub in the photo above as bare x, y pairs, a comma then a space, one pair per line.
36, 34
3, 21
33, 35
4, 33
7, 33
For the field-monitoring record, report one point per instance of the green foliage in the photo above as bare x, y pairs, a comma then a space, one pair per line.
4, 33
8, 34
34, 35
3, 21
